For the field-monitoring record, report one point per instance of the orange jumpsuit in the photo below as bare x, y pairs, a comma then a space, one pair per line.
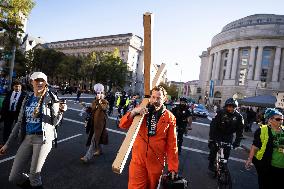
150, 153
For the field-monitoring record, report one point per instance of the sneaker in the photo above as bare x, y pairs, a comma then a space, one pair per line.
84, 160
98, 153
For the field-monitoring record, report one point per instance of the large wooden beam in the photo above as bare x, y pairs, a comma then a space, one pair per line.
158, 75
124, 150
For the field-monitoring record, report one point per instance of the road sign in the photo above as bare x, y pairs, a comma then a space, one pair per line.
280, 100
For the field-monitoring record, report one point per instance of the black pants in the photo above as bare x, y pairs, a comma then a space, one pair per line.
8, 124
181, 131
263, 171
213, 152
125, 109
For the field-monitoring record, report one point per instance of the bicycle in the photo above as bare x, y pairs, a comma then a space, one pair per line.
222, 172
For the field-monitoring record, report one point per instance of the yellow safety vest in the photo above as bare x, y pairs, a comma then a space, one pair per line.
264, 139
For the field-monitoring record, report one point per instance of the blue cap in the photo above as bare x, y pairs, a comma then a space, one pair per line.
270, 112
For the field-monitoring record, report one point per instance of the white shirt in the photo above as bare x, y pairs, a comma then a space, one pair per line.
13, 99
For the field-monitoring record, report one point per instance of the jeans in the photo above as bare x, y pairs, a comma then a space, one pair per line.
33, 150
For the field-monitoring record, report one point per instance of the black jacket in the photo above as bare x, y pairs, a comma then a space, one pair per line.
225, 124
6, 104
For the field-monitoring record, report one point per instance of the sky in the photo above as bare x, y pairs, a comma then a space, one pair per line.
182, 28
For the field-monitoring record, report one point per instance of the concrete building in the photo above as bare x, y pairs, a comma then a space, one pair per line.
129, 45
245, 59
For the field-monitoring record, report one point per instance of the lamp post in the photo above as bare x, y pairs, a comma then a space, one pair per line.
179, 90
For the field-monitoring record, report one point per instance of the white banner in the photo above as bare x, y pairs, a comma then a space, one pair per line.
280, 100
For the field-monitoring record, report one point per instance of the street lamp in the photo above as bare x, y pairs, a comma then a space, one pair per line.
180, 90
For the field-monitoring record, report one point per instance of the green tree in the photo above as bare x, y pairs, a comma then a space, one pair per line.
106, 68
171, 90
12, 13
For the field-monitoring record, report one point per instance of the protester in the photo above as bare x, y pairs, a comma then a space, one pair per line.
40, 113
267, 150
122, 103
79, 92
111, 100
96, 126
11, 107
155, 141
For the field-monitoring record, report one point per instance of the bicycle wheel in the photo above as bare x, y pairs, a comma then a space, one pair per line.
224, 180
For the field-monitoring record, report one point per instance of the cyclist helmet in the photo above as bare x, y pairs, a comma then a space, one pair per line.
270, 112
231, 101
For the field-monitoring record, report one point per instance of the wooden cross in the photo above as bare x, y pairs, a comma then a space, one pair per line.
128, 142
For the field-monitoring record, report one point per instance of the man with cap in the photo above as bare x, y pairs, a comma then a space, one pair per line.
183, 119
11, 107
40, 112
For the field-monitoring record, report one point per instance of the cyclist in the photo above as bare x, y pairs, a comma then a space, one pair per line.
122, 103
226, 122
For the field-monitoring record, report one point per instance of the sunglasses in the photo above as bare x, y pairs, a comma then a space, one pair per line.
39, 80
278, 119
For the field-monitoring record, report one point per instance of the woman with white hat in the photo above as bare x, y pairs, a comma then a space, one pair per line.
40, 113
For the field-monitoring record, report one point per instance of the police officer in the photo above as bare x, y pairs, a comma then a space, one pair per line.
122, 103
183, 119
227, 122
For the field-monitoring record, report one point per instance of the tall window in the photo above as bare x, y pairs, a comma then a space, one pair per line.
266, 61
243, 66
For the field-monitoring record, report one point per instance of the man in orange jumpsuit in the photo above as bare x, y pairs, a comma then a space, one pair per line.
156, 142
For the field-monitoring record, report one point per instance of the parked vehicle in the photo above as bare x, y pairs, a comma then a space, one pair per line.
200, 110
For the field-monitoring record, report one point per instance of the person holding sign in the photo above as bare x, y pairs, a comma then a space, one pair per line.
155, 141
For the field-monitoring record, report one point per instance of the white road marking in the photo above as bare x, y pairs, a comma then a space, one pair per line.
183, 147
62, 140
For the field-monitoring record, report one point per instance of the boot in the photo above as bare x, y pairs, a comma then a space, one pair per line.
25, 185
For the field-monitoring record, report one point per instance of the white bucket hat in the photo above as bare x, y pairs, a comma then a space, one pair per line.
37, 75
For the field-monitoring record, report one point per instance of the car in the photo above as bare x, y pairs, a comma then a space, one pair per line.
200, 110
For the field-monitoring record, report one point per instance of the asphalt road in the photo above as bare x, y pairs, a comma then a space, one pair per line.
63, 168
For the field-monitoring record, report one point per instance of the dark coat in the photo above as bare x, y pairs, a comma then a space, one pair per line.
98, 120
224, 125
6, 104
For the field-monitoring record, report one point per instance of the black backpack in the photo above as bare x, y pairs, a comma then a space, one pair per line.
178, 183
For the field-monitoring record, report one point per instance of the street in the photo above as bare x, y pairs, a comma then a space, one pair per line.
63, 168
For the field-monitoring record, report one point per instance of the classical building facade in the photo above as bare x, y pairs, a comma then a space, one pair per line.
245, 59
129, 45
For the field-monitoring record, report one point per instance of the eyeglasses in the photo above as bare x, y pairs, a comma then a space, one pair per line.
39, 80
278, 119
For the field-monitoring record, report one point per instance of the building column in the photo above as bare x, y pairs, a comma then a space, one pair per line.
276, 65
229, 64
258, 64
235, 63
213, 66
251, 63
217, 68
210, 65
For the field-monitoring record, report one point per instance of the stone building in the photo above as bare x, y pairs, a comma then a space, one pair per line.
245, 59
129, 45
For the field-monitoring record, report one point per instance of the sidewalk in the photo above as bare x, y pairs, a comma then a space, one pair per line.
248, 137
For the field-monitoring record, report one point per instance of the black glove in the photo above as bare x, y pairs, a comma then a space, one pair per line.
236, 144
